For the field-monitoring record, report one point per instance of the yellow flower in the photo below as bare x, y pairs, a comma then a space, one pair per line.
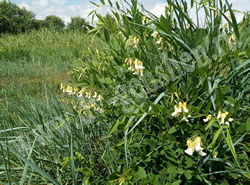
232, 39
61, 86
134, 41
181, 109
209, 117
190, 149
195, 145
177, 110
221, 117
184, 107
159, 40
68, 90
95, 95
154, 34
99, 97
136, 66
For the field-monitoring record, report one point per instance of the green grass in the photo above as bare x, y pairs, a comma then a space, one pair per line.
32, 67
31, 60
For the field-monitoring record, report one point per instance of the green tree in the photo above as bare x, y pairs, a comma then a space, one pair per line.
78, 23
53, 22
14, 19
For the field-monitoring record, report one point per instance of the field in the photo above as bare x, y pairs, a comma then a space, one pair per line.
137, 100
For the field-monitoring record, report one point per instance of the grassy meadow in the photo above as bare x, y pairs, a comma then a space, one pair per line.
38, 59
138, 100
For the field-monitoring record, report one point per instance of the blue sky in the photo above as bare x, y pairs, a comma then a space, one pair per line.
70, 8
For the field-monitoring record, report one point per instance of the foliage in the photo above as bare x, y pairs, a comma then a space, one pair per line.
53, 22
156, 101
166, 82
14, 19
78, 23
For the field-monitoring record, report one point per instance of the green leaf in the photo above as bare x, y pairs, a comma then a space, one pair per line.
230, 145
107, 36
172, 130
234, 22
217, 133
248, 124
117, 5
188, 174
105, 80
177, 182
230, 100
210, 123
140, 173
103, 2
94, 4
248, 50
219, 99
165, 24
172, 169
110, 3
115, 125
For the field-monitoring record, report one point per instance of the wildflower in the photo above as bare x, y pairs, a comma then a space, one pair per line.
99, 97
95, 95
68, 90
181, 109
136, 66
215, 154
184, 119
145, 19
61, 86
190, 149
154, 34
184, 107
195, 144
232, 39
81, 92
221, 117
123, 36
88, 94
159, 40
134, 41
177, 110
209, 117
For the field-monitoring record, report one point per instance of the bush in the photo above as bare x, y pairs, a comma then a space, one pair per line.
14, 19
158, 101
174, 94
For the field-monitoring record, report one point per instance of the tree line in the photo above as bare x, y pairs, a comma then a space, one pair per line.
14, 19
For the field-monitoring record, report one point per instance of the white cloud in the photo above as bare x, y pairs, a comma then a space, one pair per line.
158, 9
25, 5
70, 8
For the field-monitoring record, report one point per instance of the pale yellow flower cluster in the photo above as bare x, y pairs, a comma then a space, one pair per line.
123, 36
181, 110
155, 34
232, 39
92, 106
69, 89
220, 117
80, 93
135, 65
145, 19
134, 41
195, 144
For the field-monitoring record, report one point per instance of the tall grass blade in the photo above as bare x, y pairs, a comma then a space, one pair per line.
34, 166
